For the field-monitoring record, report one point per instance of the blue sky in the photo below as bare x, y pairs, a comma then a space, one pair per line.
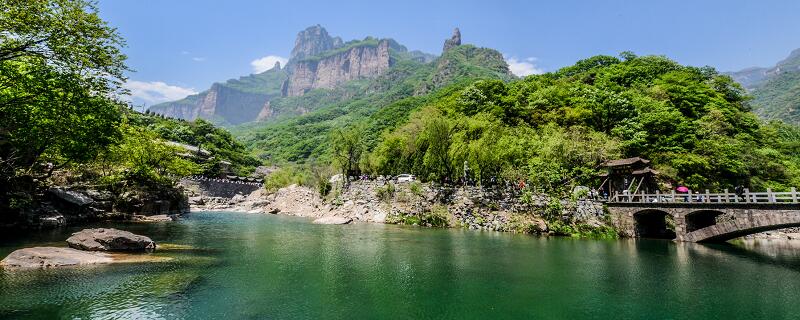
178, 47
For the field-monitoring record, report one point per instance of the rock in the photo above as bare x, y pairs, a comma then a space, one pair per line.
99, 195
237, 198
103, 239
379, 217
793, 236
155, 218
73, 197
275, 211
359, 61
47, 257
311, 41
454, 41
52, 221
333, 220
196, 200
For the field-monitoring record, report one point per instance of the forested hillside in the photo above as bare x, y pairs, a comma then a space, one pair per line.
775, 90
556, 129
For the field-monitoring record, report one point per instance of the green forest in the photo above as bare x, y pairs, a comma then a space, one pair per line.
555, 129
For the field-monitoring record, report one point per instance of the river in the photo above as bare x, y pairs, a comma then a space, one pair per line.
240, 266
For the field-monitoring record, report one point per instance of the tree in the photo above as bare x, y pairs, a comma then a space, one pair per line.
60, 72
348, 145
437, 138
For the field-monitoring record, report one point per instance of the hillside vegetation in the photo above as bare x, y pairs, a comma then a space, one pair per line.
775, 90
557, 128
779, 97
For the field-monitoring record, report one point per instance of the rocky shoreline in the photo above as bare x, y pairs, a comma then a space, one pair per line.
497, 209
62, 206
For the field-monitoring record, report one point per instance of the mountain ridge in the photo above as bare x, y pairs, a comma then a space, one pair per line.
318, 61
775, 90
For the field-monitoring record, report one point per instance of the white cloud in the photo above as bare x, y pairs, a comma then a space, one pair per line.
156, 92
265, 63
198, 59
523, 67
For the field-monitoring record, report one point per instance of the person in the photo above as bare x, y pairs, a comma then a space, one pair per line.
739, 191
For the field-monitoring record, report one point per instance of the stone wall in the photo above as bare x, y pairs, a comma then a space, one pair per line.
219, 188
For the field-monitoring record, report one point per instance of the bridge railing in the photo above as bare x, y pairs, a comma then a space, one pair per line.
769, 196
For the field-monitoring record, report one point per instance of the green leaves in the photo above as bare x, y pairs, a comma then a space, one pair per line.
60, 67
557, 128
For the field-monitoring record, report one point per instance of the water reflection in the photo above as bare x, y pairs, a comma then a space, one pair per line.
250, 266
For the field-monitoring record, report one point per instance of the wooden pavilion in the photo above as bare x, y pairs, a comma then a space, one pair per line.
633, 175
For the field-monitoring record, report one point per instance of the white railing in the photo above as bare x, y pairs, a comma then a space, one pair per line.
694, 197
223, 180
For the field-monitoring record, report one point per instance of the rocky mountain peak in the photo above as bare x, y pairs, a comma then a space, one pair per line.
454, 41
337, 42
277, 65
311, 41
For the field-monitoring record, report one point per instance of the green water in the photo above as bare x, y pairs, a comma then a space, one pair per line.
257, 266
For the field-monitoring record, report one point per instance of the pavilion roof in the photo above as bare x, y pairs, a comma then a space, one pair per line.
625, 162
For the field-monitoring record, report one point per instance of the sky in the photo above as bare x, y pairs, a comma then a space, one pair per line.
181, 47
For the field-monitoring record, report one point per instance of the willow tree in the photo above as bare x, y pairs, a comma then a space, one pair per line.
348, 146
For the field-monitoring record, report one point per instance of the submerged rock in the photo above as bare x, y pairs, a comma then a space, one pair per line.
333, 220
103, 239
47, 257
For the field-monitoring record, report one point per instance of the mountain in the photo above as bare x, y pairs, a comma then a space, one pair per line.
775, 90
318, 61
234, 101
298, 126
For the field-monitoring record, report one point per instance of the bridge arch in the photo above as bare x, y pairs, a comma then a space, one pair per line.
741, 227
700, 219
654, 223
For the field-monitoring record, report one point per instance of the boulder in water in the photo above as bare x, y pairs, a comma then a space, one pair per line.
103, 239
333, 220
47, 257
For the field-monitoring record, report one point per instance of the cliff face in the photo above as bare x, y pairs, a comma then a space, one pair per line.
359, 61
232, 105
313, 41
233, 102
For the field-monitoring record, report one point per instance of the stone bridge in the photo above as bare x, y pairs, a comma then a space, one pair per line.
224, 188
703, 217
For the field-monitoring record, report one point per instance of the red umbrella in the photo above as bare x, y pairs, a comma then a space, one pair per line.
682, 189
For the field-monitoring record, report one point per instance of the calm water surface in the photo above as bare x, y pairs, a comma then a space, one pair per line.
238, 266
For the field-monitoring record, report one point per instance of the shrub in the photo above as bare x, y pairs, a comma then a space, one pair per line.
416, 188
386, 192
